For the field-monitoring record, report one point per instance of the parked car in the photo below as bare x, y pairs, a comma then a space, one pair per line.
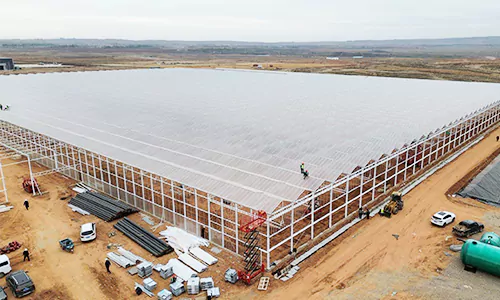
3, 295
88, 232
20, 284
4, 265
467, 228
443, 218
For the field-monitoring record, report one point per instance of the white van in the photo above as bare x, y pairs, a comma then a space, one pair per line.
88, 232
4, 265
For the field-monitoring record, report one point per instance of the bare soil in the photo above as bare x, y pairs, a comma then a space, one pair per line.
370, 263
79, 275
367, 262
460, 69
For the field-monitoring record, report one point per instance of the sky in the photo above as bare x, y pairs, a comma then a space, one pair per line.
245, 20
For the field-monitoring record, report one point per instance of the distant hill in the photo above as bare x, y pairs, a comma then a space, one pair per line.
400, 43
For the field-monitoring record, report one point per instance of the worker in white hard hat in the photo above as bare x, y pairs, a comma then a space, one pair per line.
26, 254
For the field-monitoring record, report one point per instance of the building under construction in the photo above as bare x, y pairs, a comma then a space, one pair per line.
208, 150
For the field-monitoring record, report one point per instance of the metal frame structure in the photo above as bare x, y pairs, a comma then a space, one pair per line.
291, 227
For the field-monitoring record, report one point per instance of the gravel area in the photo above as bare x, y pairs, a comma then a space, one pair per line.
456, 283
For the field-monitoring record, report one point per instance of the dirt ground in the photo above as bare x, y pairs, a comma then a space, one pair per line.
462, 69
81, 275
367, 262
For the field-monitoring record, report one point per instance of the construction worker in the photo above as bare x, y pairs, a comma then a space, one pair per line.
107, 264
26, 254
306, 174
360, 213
498, 138
382, 211
302, 167
174, 278
26, 204
367, 213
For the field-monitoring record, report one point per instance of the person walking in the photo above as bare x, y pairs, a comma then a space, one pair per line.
498, 138
306, 174
26, 204
360, 213
302, 167
26, 254
367, 213
107, 264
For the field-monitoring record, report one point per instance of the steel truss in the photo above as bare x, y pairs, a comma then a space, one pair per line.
291, 227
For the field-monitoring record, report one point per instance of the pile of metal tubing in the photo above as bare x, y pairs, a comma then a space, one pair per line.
101, 206
143, 237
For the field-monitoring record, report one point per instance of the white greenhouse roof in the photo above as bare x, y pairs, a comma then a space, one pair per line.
240, 135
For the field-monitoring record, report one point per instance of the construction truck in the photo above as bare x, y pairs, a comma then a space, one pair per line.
393, 206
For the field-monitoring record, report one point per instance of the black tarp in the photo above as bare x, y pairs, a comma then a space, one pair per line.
485, 186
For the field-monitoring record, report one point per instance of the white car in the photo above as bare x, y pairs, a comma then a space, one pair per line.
5, 267
88, 232
443, 218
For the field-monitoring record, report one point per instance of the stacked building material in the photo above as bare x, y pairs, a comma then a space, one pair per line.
231, 276
182, 240
130, 256
143, 289
143, 237
177, 288
166, 271
193, 263
122, 261
206, 283
164, 295
213, 292
145, 269
4, 208
78, 210
101, 206
203, 255
149, 284
193, 286
181, 270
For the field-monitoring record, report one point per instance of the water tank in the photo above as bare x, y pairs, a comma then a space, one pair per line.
481, 256
491, 238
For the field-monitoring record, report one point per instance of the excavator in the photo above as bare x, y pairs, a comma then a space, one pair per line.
393, 206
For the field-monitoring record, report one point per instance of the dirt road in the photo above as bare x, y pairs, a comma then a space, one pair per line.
370, 263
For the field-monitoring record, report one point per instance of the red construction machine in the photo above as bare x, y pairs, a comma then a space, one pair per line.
251, 254
28, 185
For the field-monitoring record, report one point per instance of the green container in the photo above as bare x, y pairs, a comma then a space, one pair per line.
491, 238
481, 256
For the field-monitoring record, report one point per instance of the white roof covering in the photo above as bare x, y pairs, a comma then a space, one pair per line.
240, 135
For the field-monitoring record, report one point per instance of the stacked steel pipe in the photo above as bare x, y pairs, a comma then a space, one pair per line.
102, 206
143, 237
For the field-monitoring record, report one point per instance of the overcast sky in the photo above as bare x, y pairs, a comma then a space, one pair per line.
245, 20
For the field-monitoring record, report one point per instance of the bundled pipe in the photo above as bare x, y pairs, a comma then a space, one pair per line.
101, 206
143, 237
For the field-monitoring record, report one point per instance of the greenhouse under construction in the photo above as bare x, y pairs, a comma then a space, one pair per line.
208, 150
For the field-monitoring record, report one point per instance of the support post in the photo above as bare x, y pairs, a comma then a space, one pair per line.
331, 208
346, 197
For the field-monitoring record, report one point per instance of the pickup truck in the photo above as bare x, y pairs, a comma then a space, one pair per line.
467, 228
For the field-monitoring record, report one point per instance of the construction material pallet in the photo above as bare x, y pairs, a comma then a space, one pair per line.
263, 284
